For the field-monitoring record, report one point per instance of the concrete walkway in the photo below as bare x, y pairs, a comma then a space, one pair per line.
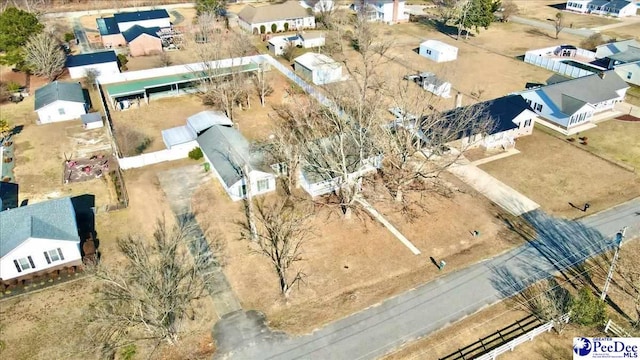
494, 189
388, 225
179, 186
502, 155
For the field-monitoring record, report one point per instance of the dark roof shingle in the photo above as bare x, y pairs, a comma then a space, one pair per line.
100, 57
135, 31
141, 15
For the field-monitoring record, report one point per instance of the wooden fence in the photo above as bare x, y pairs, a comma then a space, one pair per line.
506, 339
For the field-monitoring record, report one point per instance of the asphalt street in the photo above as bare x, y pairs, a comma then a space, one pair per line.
382, 328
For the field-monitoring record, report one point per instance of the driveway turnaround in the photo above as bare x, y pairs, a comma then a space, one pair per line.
495, 190
373, 332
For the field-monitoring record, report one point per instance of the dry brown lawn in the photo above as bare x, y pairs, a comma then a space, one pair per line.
353, 264
615, 139
624, 32
542, 10
554, 173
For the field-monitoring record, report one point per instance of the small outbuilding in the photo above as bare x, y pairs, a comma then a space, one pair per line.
143, 41
438, 51
91, 121
102, 62
318, 68
60, 101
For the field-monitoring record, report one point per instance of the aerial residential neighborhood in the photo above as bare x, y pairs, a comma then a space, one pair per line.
319, 179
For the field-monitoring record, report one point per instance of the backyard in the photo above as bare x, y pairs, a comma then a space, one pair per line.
615, 139
353, 264
556, 174
545, 10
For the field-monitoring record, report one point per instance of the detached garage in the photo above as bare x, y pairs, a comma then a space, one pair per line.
60, 101
103, 62
438, 51
318, 68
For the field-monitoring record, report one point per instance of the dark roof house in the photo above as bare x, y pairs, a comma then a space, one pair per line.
58, 90
140, 15
91, 58
107, 26
135, 31
52, 219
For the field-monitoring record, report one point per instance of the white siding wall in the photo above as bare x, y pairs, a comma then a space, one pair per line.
51, 112
327, 74
629, 73
312, 43
308, 22
438, 54
577, 5
161, 23
234, 191
35, 248
79, 72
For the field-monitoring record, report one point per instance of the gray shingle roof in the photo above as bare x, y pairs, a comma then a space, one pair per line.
591, 89
178, 135
205, 119
276, 12
229, 152
58, 90
52, 219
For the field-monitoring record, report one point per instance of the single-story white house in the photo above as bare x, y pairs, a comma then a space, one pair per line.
510, 115
387, 11
623, 57
286, 16
307, 40
318, 6
630, 72
615, 8
573, 102
318, 68
60, 101
438, 51
616, 47
91, 120
317, 181
148, 19
230, 157
38, 238
102, 62
185, 136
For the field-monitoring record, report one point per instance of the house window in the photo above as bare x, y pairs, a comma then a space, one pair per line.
243, 190
53, 255
527, 123
263, 184
629, 75
428, 52
538, 107
25, 263
61, 111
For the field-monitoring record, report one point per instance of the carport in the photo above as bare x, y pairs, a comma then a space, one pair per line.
168, 85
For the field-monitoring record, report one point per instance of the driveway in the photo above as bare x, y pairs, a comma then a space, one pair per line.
179, 186
380, 329
81, 35
548, 25
495, 190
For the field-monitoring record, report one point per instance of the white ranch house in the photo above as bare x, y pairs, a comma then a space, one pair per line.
572, 103
307, 40
38, 238
286, 16
438, 51
318, 68
318, 6
148, 19
615, 8
230, 157
60, 101
387, 11
102, 62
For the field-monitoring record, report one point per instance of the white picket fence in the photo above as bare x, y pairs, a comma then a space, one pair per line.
615, 329
493, 354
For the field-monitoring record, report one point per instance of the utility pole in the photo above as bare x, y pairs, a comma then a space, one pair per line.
619, 237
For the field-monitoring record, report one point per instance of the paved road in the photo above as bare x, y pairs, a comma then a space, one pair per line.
417, 313
179, 185
550, 27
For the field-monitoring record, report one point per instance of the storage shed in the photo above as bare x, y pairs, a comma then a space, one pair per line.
318, 68
91, 121
438, 51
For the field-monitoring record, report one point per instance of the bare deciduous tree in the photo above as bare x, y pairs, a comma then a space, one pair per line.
289, 51
224, 85
558, 23
44, 55
151, 294
547, 300
164, 59
262, 83
131, 142
509, 9
90, 76
282, 230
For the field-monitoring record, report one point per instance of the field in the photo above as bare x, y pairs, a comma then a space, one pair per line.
554, 174
625, 32
544, 10
353, 264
